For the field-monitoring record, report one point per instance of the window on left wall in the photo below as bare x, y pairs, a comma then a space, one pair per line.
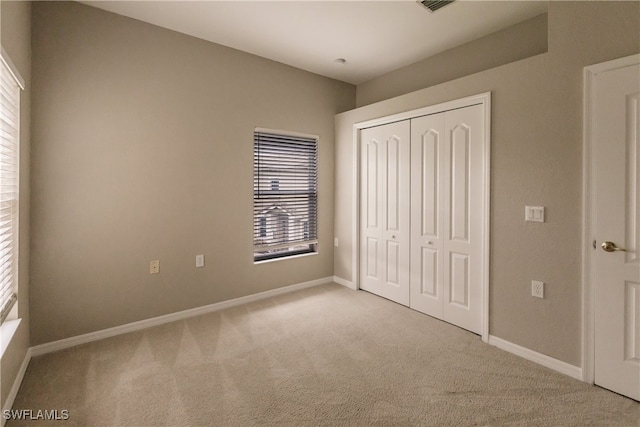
10, 86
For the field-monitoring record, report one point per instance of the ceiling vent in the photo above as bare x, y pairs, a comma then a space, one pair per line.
434, 5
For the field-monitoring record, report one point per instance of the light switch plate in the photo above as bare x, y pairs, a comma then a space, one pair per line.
534, 213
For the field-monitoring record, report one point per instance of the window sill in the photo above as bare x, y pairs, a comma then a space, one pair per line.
7, 332
284, 258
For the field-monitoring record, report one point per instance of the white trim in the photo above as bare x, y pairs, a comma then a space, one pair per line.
468, 101
287, 257
4, 57
8, 329
16, 385
539, 358
588, 325
160, 320
479, 99
355, 209
588, 212
344, 282
486, 219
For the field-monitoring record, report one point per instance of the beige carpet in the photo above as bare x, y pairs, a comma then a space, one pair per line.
321, 356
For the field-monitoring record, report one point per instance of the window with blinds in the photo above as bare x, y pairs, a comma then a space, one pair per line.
285, 194
10, 85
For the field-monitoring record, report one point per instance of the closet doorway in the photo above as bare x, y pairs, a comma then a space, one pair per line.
423, 210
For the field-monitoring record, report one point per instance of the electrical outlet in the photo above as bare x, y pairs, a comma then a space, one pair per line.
336, 242
154, 266
199, 261
537, 289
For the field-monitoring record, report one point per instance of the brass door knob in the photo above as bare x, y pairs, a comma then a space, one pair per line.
611, 247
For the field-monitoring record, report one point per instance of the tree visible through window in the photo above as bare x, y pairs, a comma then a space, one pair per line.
285, 194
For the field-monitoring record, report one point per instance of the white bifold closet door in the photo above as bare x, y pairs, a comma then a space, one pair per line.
446, 216
421, 195
384, 211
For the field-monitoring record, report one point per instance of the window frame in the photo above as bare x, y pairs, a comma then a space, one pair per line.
297, 208
9, 76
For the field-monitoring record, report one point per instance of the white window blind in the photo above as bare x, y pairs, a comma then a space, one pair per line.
285, 194
10, 85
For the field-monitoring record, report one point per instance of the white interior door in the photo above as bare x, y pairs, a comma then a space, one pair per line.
447, 164
617, 220
384, 208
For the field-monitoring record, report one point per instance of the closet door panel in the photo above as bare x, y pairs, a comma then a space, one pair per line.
429, 270
396, 202
384, 211
427, 210
464, 130
372, 148
392, 184
427, 162
459, 146
459, 279
371, 253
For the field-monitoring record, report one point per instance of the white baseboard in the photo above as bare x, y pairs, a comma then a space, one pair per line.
539, 358
180, 315
343, 282
16, 386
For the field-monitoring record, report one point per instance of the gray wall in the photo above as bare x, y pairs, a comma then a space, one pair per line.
15, 36
517, 42
536, 160
142, 149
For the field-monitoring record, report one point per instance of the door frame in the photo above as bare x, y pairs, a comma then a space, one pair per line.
588, 211
483, 99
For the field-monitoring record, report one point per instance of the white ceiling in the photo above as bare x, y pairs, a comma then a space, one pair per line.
374, 37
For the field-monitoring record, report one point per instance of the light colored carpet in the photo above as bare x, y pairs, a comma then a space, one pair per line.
321, 356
